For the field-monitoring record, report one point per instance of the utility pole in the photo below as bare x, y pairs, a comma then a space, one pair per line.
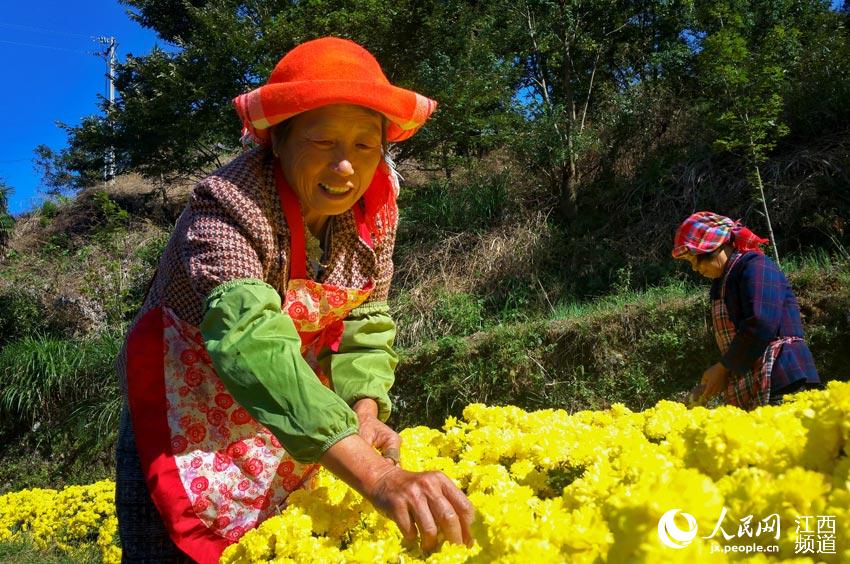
109, 55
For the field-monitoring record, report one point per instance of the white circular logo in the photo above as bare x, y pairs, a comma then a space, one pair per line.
671, 535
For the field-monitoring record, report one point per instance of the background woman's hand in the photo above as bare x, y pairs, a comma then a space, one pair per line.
714, 380
376, 432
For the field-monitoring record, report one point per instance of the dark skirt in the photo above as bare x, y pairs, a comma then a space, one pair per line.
143, 535
778, 397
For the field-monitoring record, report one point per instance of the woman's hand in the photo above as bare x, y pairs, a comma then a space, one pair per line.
375, 432
427, 502
714, 380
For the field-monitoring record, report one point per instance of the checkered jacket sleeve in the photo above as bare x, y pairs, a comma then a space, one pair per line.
755, 296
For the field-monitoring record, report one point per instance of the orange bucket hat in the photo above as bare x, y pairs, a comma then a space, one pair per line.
331, 71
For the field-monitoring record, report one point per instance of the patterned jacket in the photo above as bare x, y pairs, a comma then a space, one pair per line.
762, 306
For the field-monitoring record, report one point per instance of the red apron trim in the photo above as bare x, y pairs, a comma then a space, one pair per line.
362, 228
148, 411
329, 337
292, 212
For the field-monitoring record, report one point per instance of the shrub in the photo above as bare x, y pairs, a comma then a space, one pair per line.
7, 225
47, 212
151, 251
110, 217
54, 381
469, 204
21, 314
427, 316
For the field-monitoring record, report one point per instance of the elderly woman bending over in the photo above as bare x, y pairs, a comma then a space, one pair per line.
756, 319
264, 347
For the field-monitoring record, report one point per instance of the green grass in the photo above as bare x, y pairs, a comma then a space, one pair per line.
48, 378
802, 269
472, 203
633, 347
24, 551
656, 295
59, 402
816, 260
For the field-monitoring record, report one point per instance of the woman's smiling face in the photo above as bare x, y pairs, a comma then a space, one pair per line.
329, 156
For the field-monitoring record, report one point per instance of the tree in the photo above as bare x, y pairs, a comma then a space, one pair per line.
173, 115
577, 56
744, 64
596, 100
7, 222
818, 100
81, 164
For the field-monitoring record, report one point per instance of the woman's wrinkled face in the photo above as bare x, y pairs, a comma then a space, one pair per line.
710, 266
330, 155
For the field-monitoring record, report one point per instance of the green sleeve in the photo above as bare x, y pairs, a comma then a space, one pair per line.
257, 353
364, 365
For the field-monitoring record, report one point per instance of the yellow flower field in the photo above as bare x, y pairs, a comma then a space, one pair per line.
71, 519
548, 486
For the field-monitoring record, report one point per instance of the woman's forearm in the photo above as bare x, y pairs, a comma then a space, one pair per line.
366, 406
357, 464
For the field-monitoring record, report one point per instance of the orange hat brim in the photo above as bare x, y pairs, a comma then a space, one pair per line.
273, 103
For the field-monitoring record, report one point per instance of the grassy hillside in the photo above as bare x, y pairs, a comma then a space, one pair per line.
630, 347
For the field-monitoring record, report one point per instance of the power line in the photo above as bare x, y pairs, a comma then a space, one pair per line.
22, 44
43, 30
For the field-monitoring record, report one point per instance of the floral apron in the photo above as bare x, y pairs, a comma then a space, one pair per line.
212, 471
751, 389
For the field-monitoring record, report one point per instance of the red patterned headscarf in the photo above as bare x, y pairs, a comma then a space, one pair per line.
705, 232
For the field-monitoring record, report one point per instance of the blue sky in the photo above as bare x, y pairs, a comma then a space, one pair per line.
49, 74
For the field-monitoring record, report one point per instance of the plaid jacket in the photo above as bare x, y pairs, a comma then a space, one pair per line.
763, 307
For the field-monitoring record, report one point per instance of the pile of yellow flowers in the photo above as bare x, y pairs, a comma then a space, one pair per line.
72, 519
553, 487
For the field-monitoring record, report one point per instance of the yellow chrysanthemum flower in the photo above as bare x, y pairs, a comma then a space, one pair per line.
552, 487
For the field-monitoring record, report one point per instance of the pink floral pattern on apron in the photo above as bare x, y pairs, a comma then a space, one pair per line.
234, 471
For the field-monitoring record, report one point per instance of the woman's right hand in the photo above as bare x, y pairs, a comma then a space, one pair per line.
427, 502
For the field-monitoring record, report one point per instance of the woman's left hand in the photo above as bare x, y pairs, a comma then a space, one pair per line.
376, 432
